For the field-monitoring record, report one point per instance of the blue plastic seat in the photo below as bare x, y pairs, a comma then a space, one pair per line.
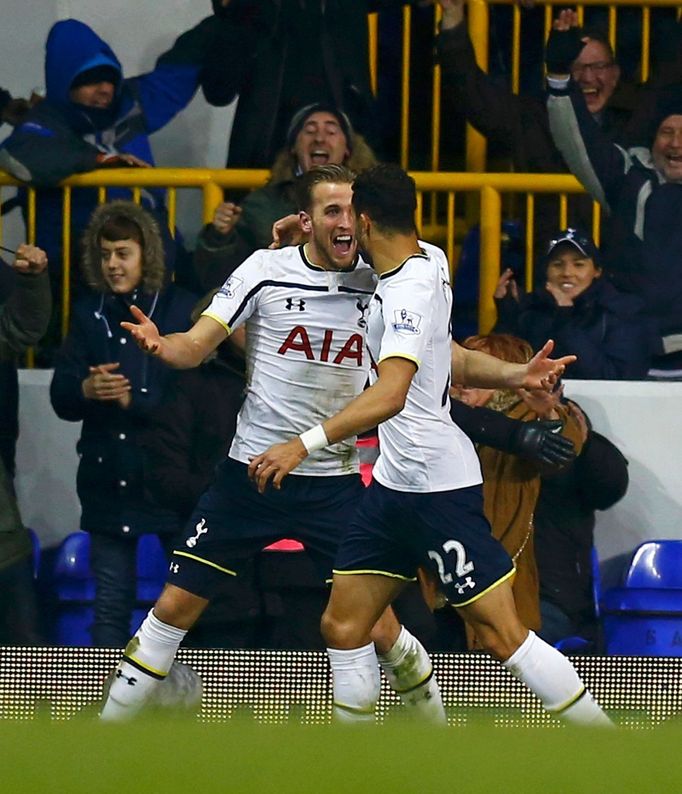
656, 564
74, 588
73, 579
152, 571
152, 568
644, 616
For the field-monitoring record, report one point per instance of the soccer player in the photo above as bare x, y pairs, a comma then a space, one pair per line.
425, 504
305, 313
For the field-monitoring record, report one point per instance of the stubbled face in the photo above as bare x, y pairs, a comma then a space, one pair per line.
474, 397
121, 265
667, 148
94, 95
331, 224
570, 272
596, 74
321, 141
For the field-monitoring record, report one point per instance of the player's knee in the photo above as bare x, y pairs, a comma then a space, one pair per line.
178, 607
342, 633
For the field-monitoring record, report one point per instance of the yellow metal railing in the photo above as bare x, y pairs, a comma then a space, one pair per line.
489, 188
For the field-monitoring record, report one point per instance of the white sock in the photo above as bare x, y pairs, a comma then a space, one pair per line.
145, 664
549, 674
356, 683
409, 671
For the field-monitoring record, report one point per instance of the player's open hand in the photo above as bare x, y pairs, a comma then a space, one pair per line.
287, 231
275, 463
543, 372
144, 332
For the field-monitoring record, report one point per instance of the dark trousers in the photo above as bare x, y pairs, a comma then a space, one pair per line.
113, 561
19, 617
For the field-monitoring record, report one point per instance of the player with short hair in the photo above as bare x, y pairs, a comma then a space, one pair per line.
425, 504
305, 313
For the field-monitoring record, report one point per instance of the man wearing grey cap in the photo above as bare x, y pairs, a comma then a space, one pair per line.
318, 134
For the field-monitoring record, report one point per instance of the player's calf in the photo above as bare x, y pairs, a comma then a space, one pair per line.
409, 671
552, 677
356, 683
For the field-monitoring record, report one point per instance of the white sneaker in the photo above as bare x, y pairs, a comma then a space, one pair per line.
182, 688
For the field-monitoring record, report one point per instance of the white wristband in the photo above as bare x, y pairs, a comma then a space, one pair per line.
314, 439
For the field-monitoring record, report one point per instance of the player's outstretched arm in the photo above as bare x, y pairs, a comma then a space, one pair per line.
475, 368
181, 350
384, 399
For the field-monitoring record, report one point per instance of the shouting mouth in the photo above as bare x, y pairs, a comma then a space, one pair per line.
342, 244
319, 157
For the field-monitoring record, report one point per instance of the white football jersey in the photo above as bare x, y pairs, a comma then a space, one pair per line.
305, 357
421, 448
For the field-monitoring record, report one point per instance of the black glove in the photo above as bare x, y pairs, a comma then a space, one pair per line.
563, 47
543, 443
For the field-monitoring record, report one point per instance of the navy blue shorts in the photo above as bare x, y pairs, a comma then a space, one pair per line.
232, 523
393, 532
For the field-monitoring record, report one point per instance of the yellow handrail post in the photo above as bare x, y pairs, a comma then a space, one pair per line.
435, 120
476, 144
373, 50
213, 196
405, 89
491, 225
478, 31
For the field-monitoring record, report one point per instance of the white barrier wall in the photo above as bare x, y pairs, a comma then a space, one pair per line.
641, 418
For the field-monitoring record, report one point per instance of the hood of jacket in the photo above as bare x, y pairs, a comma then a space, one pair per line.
73, 47
153, 261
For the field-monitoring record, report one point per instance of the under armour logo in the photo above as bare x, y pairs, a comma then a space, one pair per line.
130, 680
174, 567
300, 304
201, 529
362, 308
462, 586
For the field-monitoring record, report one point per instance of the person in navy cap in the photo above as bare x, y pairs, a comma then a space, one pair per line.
580, 309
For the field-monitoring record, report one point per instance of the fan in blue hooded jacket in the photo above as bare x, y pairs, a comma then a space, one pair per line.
93, 117
113, 387
581, 311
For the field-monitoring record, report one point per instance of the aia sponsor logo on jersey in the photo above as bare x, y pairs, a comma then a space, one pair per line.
299, 340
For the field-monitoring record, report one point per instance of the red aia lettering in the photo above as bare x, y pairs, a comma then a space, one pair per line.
299, 340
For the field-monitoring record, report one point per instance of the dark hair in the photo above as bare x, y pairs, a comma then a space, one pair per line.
388, 195
119, 227
600, 35
305, 184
